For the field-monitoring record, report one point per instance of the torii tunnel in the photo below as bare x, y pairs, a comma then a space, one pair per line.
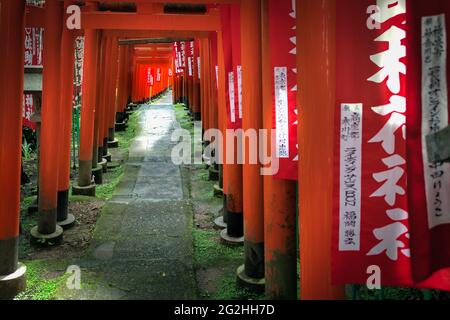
347, 98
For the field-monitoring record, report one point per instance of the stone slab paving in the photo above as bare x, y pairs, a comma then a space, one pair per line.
142, 243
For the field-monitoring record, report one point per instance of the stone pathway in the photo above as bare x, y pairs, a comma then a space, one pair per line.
142, 244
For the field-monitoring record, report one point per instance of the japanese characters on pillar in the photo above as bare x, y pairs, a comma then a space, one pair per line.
197, 58
283, 51
150, 78
190, 59
33, 58
78, 81
371, 216
230, 17
427, 112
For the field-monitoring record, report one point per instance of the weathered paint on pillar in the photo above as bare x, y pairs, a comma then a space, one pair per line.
67, 75
12, 24
280, 245
88, 107
252, 120
232, 172
112, 106
50, 125
316, 22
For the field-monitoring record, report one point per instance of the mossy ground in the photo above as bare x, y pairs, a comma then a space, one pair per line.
46, 267
215, 262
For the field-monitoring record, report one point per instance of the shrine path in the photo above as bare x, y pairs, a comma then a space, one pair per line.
142, 243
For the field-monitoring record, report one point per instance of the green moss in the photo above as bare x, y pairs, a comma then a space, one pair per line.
228, 290
183, 117
208, 251
40, 284
105, 191
133, 128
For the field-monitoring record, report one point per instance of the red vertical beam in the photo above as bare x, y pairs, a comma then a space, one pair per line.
316, 28
50, 127
101, 98
252, 120
279, 201
67, 75
112, 106
85, 185
12, 24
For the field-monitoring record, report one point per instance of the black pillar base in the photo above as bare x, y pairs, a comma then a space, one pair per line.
97, 172
197, 116
121, 126
63, 218
113, 144
108, 157
104, 165
213, 174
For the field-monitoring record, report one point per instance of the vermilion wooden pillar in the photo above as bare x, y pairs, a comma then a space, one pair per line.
100, 113
206, 65
316, 22
12, 24
97, 167
253, 270
232, 172
65, 220
47, 229
85, 185
112, 106
195, 88
279, 201
202, 83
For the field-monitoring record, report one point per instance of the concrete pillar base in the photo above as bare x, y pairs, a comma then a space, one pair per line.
113, 165
108, 157
218, 191
219, 223
243, 280
104, 165
83, 191
97, 172
68, 223
113, 144
14, 283
46, 240
213, 174
230, 241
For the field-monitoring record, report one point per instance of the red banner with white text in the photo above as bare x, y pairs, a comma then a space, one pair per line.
371, 214
283, 51
427, 113
231, 48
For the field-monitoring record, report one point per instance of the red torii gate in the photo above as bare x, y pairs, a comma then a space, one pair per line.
314, 201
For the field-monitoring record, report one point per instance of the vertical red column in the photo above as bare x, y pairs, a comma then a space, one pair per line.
47, 229
97, 168
65, 220
252, 272
316, 28
12, 17
232, 171
279, 201
112, 104
85, 185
